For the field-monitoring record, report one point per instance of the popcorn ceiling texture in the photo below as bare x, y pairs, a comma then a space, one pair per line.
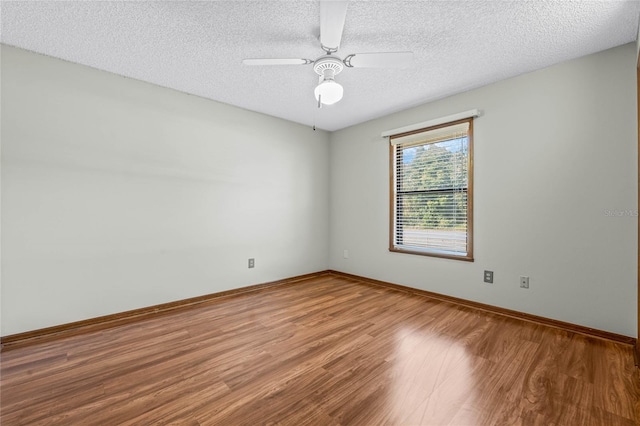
197, 47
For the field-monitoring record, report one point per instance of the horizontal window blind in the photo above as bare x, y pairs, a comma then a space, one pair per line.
431, 190
431, 136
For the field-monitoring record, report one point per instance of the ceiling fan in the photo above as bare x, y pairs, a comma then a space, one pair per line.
327, 66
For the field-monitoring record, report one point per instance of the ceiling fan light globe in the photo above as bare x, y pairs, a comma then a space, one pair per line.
329, 92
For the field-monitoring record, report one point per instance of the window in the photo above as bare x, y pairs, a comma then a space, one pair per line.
432, 191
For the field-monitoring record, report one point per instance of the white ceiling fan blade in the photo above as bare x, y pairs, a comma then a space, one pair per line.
332, 14
277, 61
380, 60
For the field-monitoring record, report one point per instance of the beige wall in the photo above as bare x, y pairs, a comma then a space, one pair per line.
555, 195
118, 194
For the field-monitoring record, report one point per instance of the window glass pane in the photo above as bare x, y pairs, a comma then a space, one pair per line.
435, 220
440, 165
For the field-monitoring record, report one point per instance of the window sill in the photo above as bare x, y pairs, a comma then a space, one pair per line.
464, 258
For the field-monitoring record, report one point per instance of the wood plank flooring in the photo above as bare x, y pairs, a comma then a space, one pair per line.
326, 351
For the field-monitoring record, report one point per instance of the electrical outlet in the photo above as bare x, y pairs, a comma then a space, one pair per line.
488, 277
345, 254
524, 282
252, 263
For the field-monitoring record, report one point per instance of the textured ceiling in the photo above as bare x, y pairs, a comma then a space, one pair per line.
198, 47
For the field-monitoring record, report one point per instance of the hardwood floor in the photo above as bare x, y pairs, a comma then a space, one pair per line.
326, 351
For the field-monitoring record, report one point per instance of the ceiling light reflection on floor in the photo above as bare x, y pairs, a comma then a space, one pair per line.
432, 373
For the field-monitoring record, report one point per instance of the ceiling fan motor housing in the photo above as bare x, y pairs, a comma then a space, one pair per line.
328, 66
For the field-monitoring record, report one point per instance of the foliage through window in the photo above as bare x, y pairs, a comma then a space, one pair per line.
431, 186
